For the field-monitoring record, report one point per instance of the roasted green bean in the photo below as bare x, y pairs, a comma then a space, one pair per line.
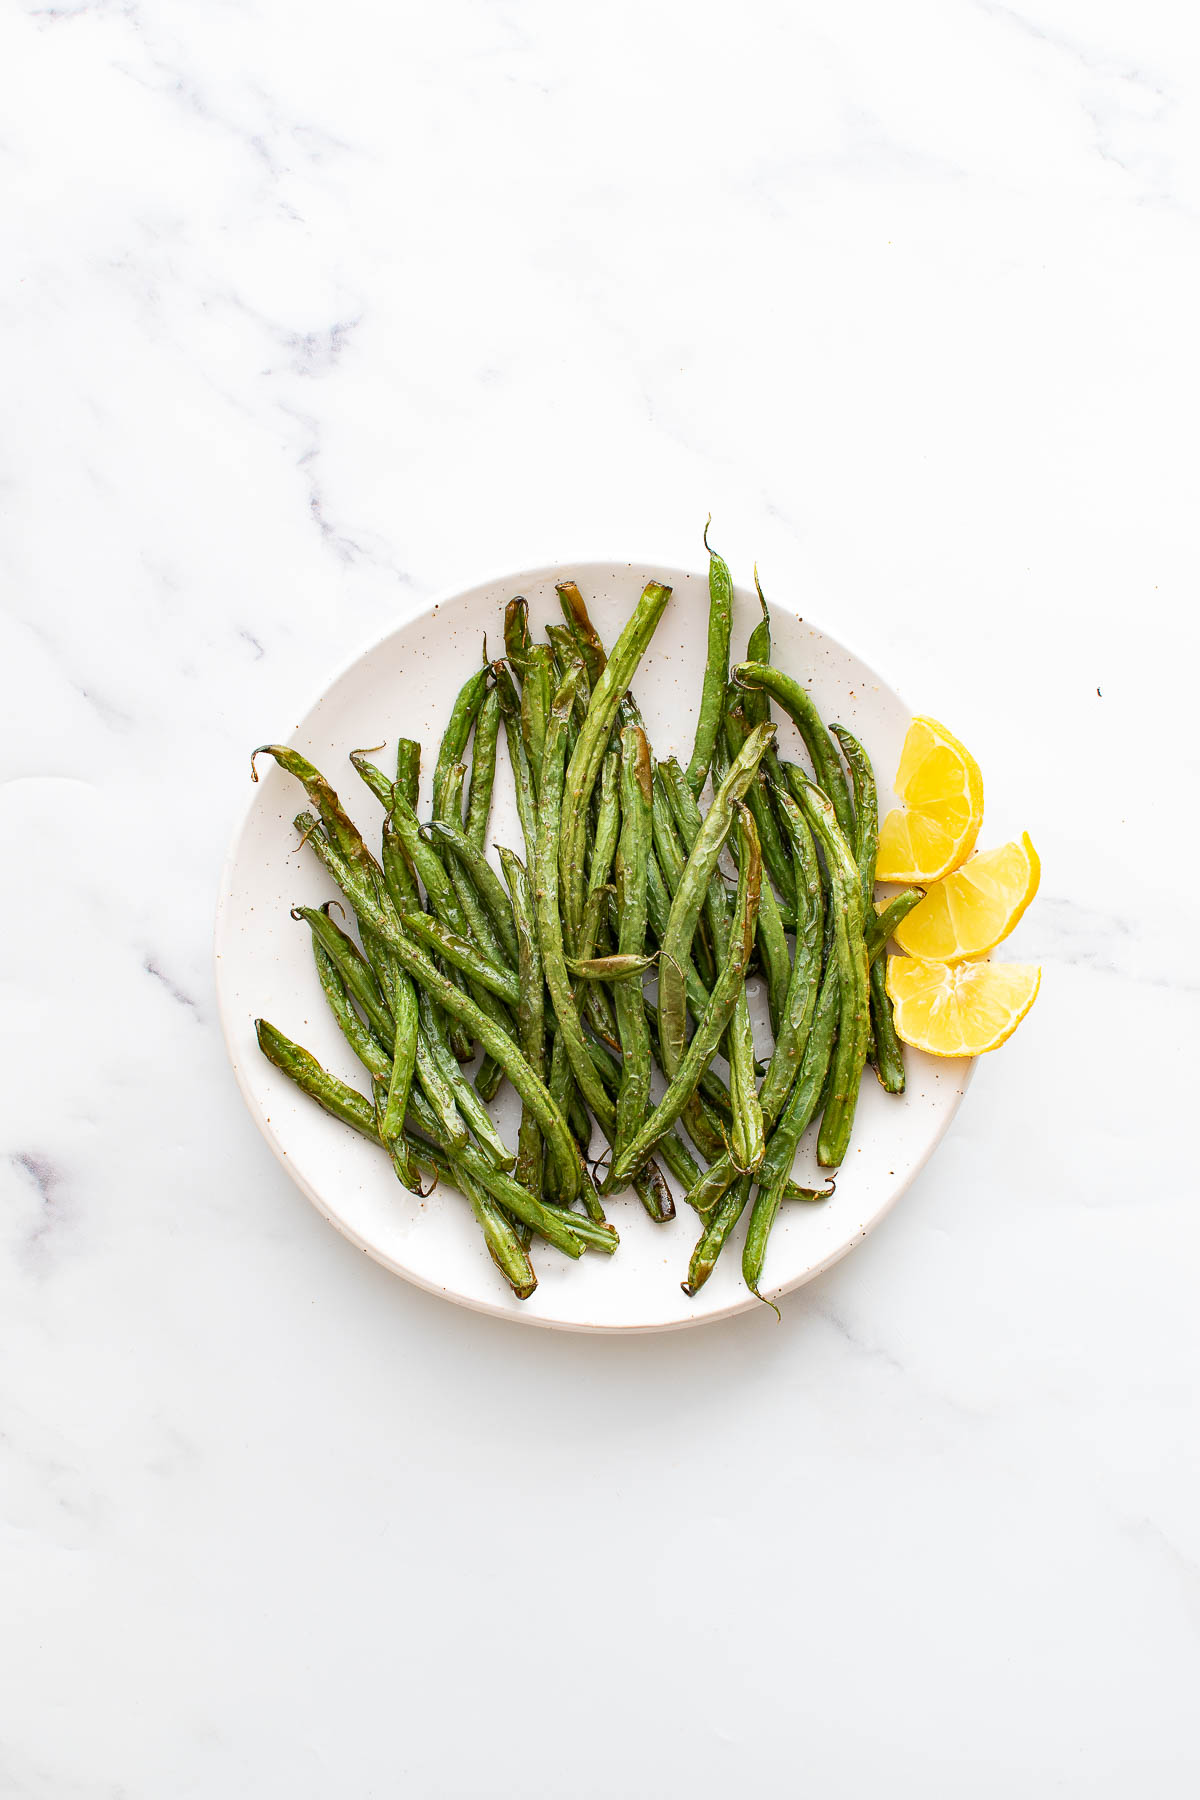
716, 667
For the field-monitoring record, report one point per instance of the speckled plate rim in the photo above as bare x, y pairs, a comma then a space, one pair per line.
517, 581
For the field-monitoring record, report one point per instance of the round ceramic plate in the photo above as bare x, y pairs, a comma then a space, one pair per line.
404, 686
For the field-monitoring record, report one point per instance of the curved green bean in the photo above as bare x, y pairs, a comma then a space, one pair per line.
338, 1099
755, 704
582, 630
798, 704
352, 966
342, 831
374, 778
714, 1234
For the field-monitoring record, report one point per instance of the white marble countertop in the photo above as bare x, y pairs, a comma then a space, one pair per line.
310, 313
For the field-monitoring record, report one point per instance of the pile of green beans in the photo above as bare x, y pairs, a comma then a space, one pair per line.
618, 945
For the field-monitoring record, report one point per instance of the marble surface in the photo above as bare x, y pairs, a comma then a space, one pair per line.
311, 313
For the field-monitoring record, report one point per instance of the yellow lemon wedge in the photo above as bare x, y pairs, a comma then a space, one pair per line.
970, 911
959, 1009
942, 789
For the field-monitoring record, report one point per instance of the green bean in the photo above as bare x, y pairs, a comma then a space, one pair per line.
608, 824
361, 1039
669, 858
454, 738
442, 894
562, 1091
798, 1009
772, 940
679, 797
378, 1061
462, 954
518, 639
398, 872
437, 1066
633, 855
531, 1010
850, 1053
582, 630
486, 883
798, 704
374, 778
716, 668
537, 691
805, 1097
717, 1015
299, 1065
714, 1234
352, 966
550, 931
667, 846
613, 967
651, 1188
593, 741
596, 1237
504, 1246
865, 837
483, 769
453, 1100
707, 1135
344, 1103
889, 1058
479, 923
408, 769
672, 1149
402, 1000
773, 951
510, 711
342, 832
755, 704
775, 856
762, 1218
461, 1006
658, 911
445, 899
685, 910
882, 925
565, 1230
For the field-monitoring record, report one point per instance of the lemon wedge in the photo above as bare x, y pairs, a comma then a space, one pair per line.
942, 789
959, 1009
973, 909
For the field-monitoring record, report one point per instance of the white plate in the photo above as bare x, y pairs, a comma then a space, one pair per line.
404, 687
